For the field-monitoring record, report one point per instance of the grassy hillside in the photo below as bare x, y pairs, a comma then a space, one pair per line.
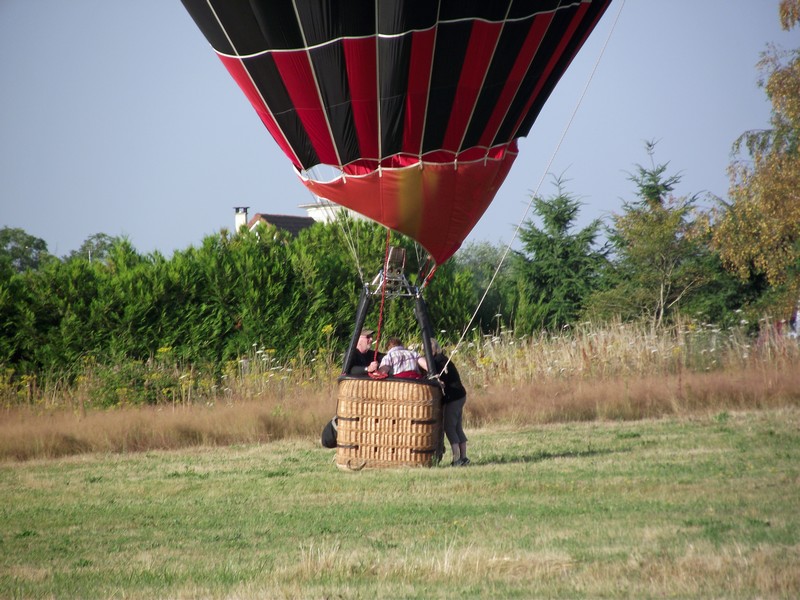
701, 505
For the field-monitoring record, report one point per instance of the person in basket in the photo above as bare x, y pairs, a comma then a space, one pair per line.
401, 362
364, 359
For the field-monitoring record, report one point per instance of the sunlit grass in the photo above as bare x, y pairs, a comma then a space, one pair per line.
695, 507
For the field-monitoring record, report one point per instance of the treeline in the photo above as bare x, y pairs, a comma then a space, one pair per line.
656, 261
205, 305
292, 300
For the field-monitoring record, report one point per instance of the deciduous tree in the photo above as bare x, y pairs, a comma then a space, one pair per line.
659, 247
759, 230
95, 247
21, 249
481, 260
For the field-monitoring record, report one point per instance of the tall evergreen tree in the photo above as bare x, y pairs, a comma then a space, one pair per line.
559, 268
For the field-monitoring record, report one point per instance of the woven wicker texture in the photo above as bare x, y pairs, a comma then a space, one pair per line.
388, 423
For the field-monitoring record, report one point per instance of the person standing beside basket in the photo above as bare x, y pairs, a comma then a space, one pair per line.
455, 396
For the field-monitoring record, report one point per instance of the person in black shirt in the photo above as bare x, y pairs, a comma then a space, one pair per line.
364, 355
455, 396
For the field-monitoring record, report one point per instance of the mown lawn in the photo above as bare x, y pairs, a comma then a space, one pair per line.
681, 507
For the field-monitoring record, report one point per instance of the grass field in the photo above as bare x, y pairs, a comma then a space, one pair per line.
701, 505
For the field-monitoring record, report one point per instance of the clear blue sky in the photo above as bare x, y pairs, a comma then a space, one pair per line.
118, 118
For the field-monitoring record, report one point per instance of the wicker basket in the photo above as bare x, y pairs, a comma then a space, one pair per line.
388, 423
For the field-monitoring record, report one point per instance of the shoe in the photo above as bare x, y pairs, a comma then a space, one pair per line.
464, 462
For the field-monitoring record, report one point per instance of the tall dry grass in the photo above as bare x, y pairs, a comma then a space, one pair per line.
627, 371
621, 350
27, 433
619, 371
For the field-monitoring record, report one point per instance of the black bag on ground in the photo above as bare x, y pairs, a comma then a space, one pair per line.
329, 434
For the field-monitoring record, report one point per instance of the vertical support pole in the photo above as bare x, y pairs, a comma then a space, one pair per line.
421, 312
361, 316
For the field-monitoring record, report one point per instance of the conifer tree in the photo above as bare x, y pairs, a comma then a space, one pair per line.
559, 268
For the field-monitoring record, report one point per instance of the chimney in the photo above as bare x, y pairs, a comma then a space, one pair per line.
239, 217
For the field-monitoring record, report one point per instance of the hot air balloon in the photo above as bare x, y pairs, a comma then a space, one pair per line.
416, 106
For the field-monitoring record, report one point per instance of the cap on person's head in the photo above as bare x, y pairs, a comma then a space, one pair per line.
367, 332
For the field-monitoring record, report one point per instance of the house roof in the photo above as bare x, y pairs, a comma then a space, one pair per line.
291, 223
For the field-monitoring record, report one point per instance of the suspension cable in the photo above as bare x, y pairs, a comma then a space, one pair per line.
383, 293
341, 217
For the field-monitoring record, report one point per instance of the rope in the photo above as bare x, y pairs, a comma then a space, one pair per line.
383, 293
429, 276
345, 221
538, 186
340, 216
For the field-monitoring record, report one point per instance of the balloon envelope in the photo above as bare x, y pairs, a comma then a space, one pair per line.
417, 104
